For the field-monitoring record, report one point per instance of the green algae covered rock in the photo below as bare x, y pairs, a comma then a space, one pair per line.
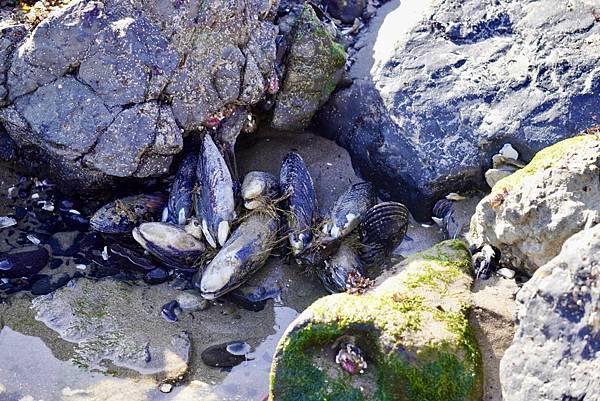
531, 213
314, 66
412, 329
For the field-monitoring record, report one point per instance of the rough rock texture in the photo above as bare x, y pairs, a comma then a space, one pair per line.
90, 313
10, 36
314, 66
530, 214
460, 79
555, 355
412, 328
108, 88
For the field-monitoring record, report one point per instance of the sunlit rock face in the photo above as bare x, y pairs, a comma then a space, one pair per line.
106, 89
440, 86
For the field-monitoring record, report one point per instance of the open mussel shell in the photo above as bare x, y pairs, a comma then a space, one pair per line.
180, 205
350, 208
23, 262
297, 184
226, 355
215, 204
258, 189
122, 215
335, 272
169, 243
381, 231
244, 253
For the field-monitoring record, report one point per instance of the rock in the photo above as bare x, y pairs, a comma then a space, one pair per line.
441, 86
345, 10
106, 89
493, 175
10, 37
314, 66
226, 355
506, 273
110, 321
23, 262
191, 301
555, 353
412, 330
529, 215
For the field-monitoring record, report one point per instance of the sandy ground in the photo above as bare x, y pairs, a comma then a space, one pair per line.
331, 169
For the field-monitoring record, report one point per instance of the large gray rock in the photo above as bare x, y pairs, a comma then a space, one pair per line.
111, 321
555, 355
442, 85
530, 214
104, 89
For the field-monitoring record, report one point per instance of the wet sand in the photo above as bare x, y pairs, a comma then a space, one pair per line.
34, 361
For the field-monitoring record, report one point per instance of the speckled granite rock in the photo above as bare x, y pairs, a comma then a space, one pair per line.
412, 329
555, 355
530, 214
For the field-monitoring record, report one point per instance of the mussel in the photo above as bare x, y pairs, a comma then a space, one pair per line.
23, 262
122, 215
180, 205
350, 208
296, 183
443, 215
338, 272
215, 204
258, 189
381, 231
227, 134
169, 243
244, 253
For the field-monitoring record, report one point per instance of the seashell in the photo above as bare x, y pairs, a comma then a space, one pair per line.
296, 183
244, 253
6, 221
215, 205
122, 215
226, 136
131, 258
170, 311
443, 215
350, 208
23, 262
383, 228
169, 243
509, 152
336, 272
258, 189
180, 205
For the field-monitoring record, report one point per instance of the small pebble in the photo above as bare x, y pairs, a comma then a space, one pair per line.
506, 273
191, 302
166, 388
509, 152
81, 266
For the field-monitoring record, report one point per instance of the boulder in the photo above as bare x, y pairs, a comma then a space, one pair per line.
530, 214
111, 321
10, 36
555, 355
440, 86
314, 66
412, 329
102, 90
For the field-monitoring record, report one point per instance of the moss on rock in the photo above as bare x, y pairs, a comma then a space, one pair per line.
314, 66
412, 327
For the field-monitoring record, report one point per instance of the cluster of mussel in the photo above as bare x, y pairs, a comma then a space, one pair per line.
223, 232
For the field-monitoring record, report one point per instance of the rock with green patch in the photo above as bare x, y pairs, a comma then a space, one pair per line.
111, 323
314, 65
412, 329
531, 213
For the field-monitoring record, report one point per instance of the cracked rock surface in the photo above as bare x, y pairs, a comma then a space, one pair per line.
556, 350
105, 89
441, 85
